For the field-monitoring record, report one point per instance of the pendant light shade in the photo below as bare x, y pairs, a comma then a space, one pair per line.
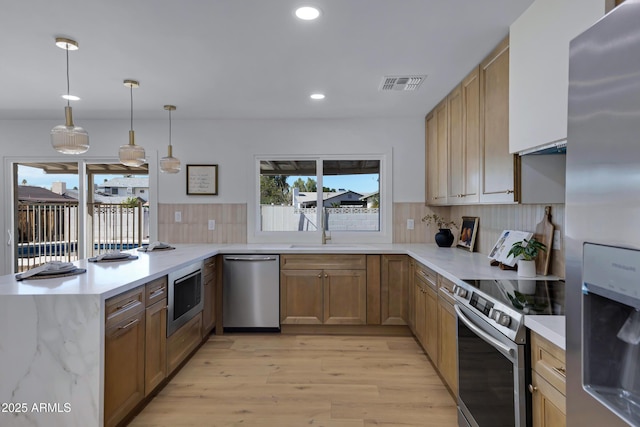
170, 164
68, 138
131, 154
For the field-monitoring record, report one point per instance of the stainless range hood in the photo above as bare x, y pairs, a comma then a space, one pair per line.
556, 147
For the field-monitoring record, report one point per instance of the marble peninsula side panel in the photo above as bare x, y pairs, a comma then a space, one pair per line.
50, 348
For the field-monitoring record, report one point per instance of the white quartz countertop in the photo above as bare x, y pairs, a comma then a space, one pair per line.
552, 328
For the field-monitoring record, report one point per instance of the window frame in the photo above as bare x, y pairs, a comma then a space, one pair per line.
384, 235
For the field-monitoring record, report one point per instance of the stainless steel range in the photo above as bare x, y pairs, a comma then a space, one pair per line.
493, 353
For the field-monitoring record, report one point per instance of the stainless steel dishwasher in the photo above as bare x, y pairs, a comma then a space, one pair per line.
251, 293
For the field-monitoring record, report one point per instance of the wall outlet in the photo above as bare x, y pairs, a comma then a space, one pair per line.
178, 216
212, 224
557, 242
410, 224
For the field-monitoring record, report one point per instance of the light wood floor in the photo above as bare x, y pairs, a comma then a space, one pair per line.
289, 380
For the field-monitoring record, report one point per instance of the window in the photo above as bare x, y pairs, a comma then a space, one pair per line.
302, 195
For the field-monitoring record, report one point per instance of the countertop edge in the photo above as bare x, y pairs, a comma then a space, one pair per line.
552, 328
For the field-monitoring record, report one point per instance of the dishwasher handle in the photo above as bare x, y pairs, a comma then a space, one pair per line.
266, 258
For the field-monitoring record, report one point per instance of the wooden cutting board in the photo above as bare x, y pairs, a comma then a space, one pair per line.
544, 234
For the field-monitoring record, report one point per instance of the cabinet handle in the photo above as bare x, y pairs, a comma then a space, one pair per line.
532, 389
319, 276
128, 305
134, 321
560, 371
326, 275
509, 191
156, 292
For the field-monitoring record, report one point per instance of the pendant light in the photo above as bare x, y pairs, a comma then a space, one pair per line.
131, 154
169, 164
68, 138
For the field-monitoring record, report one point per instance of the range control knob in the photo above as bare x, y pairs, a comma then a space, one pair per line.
460, 291
504, 319
495, 314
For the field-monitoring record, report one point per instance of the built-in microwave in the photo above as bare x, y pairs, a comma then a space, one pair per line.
186, 298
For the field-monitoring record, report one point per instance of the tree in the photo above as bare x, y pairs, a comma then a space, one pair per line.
328, 190
24, 182
274, 189
311, 184
299, 184
130, 202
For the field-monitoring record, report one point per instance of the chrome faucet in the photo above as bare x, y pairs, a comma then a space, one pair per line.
324, 233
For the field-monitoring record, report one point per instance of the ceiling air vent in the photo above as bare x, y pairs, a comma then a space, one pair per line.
401, 82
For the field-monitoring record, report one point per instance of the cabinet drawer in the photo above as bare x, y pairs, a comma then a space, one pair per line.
445, 290
427, 275
183, 342
155, 290
548, 360
326, 262
124, 305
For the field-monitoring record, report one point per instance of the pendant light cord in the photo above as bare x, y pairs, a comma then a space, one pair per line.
68, 91
169, 127
131, 89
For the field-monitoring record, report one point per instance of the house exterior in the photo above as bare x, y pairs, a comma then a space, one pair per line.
125, 187
308, 199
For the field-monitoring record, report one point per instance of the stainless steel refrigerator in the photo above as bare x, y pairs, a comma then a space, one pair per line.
603, 223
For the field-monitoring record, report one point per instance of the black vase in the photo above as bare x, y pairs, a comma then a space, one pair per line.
444, 238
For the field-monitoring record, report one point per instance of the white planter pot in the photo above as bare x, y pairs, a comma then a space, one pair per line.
526, 268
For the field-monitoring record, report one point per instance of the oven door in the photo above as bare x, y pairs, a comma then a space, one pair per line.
491, 375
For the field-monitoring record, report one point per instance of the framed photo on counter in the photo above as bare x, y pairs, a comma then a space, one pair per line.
202, 180
468, 231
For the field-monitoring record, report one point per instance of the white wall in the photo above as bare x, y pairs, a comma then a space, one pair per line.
231, 144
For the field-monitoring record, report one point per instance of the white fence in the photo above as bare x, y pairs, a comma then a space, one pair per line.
289, 218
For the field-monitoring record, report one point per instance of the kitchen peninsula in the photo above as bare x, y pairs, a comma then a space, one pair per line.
52, 331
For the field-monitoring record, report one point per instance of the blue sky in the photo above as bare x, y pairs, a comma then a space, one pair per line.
37, 178
362, 183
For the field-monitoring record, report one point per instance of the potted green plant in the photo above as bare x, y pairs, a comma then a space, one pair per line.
444, 237
526, 252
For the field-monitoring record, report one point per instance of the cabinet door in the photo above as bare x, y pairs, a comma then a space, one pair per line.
498, 166
209, 284
155, 346
549, 405
123, 367
420, 313
431, 323
431, 160
345, 297
442, 119
447, 356
411, 315
456, 147
301, 297
393, 289
471, 137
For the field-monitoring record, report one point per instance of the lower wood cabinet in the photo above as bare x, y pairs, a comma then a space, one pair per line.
426, 310
447, 335
548, 383
334, 295
124, 360
155, 346
394, 289
209, 281
183, 342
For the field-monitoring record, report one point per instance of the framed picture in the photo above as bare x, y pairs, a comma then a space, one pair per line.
202, 180
468, 231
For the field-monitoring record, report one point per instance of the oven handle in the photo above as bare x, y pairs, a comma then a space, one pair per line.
482, 334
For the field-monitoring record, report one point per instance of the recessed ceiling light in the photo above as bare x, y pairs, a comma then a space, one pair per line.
317, 96
71, 97
307, 13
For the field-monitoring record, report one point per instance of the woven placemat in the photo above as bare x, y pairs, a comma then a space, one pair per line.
156, 249
129, 258
52, 276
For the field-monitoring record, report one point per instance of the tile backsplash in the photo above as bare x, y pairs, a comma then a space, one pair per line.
493, 219
230, 223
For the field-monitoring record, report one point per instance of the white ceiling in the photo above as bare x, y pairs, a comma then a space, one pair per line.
241, 58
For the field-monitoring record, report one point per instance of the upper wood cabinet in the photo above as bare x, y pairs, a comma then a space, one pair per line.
539, 68
467, 139
464, 141
437, 154
499, 168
